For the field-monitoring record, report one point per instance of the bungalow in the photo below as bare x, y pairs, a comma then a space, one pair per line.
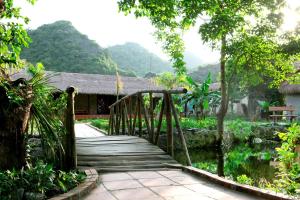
97, 92
292, 95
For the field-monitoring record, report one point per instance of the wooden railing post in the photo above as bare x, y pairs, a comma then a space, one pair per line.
179, 130
146, 118
170, 140
70, 142
139, 112
161, 114
151, 117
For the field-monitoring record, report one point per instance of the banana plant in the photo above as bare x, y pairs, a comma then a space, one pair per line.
200, 97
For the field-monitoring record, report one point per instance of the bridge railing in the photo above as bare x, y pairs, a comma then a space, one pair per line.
128, 114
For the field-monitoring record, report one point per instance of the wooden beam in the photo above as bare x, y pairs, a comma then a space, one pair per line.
179, 91
179, 130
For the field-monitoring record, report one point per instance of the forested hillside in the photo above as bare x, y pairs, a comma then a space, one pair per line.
60, 47
201, 72
133, 57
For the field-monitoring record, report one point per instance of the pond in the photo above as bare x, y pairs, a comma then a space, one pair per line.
256, 162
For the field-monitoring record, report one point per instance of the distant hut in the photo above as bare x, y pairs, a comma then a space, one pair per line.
96, 92
292, 95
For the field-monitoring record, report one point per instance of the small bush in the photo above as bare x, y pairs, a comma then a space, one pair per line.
240, 129
244, 179
41, 178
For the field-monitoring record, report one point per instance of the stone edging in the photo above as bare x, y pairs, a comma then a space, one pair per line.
236, 186
82, 189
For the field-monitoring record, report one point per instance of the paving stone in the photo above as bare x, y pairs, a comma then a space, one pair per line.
172, 173
189, 197
115, 177
136, 194
100, 196
140, 175
186, 180
215, 192
156, 182
124, 184
165, 191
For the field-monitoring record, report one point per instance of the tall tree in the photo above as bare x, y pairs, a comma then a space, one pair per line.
15, 96
223, 19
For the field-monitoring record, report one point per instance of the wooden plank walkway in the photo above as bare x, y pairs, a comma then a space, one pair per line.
120, 153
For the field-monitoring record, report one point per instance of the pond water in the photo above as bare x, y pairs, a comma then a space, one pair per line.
254, 162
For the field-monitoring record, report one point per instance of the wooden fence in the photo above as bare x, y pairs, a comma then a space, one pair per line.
128, 114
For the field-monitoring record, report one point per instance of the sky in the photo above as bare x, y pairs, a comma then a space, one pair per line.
101, 21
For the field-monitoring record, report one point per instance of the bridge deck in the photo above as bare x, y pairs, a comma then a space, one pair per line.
120, 153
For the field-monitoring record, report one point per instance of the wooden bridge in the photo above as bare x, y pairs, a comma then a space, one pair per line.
131, 164
129, 147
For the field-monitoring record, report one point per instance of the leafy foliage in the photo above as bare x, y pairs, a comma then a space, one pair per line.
170, 81
13, 36
289, 168
41, 178
240, 129
200, 97
46, 112
244, 179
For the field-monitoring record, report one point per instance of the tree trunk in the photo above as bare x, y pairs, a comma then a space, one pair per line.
13, 124
223, 108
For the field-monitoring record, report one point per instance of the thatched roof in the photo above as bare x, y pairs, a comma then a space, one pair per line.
96, 83
286, 88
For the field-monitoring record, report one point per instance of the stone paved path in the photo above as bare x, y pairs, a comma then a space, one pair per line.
160, 185
85, 131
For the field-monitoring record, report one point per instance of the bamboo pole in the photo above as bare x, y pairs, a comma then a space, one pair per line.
170, 142
183, 142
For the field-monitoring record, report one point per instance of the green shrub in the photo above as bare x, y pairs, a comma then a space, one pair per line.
100, 123
207, 166
240, 129
288, 176
41, 178
244, 179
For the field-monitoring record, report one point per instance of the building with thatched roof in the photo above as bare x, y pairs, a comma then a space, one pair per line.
95, 92
292, 95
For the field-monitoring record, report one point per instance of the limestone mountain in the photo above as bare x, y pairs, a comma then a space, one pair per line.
60, 47
134, 57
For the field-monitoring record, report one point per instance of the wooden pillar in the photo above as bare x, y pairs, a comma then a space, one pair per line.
139, 113
70, 142
161, 114
151, 117
170, 142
